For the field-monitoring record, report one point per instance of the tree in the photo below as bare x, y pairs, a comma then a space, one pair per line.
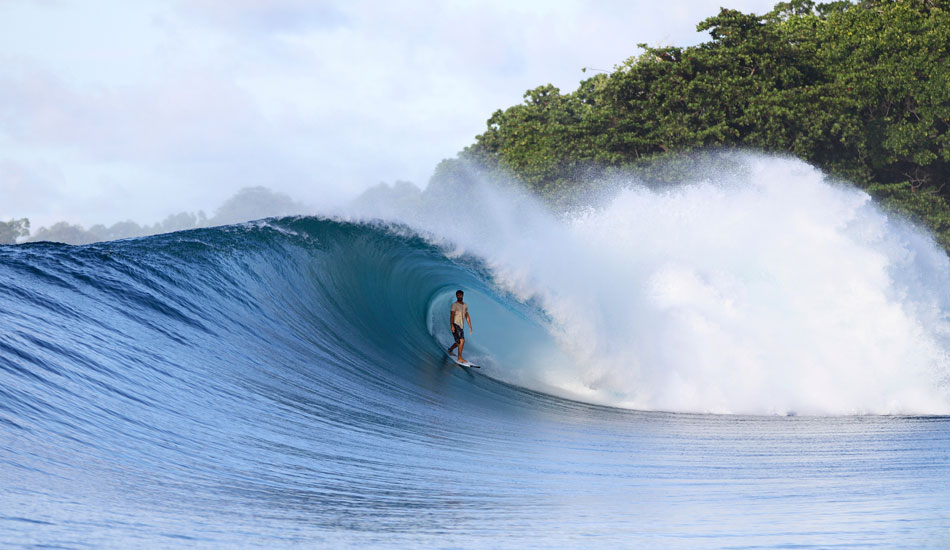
860, 90
64, 232
252, 203
14, 229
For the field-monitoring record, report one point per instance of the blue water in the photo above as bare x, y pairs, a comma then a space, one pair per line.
284, 384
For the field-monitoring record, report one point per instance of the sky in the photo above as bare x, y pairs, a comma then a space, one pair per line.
114, 110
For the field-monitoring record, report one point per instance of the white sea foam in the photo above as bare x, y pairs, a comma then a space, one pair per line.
775, 292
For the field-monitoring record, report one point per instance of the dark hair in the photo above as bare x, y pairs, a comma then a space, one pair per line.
457, 292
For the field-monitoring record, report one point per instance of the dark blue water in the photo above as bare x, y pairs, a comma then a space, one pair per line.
284, 384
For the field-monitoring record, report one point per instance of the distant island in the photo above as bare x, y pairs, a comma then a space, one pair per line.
249, 203
860, 90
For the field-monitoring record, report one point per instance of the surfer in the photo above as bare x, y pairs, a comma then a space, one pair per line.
457, 317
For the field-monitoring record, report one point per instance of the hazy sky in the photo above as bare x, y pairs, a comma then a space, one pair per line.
118, 109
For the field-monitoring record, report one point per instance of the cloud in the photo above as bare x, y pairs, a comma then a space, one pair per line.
194, 99
32, 187
185, 116
274, 16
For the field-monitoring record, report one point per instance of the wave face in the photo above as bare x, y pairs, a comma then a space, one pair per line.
770, 291
294, 369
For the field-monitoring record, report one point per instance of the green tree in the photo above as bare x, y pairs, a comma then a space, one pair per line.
861, 90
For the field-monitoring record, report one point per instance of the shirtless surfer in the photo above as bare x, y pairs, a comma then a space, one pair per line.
457, 317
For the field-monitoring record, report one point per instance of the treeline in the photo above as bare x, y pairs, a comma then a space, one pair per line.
248, 204
861, 90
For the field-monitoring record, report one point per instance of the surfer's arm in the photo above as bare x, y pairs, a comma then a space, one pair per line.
469, 319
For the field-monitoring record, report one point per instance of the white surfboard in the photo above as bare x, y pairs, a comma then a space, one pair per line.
462, 363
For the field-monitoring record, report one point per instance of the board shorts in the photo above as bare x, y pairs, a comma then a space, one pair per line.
458, 333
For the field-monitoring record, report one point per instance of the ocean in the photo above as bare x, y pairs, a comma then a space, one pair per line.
760, 363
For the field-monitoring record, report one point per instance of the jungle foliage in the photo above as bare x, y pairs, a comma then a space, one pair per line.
861, 90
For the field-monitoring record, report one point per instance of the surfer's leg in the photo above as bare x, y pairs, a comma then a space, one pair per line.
461, 345
457, 334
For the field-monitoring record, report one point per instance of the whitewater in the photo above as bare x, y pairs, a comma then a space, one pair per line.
754, 359
770, 291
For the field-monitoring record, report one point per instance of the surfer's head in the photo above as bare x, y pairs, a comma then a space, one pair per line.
459, 294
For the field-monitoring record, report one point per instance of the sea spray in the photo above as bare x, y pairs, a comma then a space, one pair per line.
772, 290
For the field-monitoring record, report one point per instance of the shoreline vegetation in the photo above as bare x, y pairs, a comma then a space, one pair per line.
249, 203
860, 90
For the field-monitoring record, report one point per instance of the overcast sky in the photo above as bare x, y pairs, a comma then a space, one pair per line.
118, 109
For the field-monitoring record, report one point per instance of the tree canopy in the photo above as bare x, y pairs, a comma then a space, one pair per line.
861, 90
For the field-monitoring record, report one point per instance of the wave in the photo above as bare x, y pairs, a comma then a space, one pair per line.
776, 292
285, 382
769, 289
